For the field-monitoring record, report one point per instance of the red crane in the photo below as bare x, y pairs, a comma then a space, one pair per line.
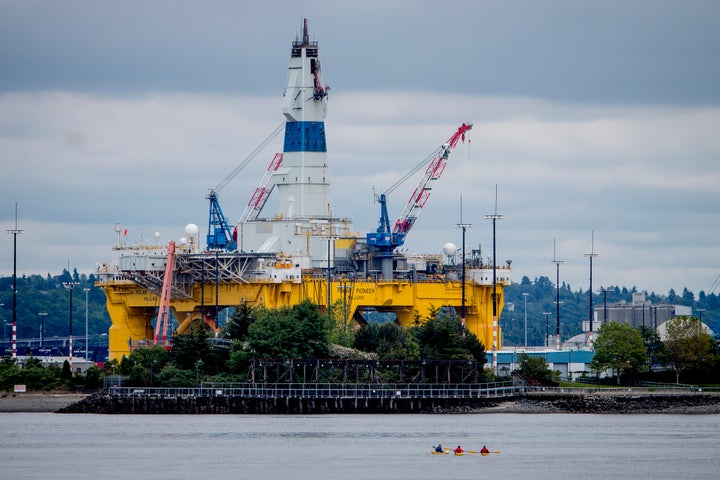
164, 308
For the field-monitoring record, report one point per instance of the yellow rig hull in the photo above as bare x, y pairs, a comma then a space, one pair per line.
133, 309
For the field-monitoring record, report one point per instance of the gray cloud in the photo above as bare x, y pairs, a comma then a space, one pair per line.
588, 116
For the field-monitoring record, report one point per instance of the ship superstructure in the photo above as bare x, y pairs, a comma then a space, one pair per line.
301, 251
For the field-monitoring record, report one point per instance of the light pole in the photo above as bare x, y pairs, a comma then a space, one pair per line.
14, 232
86, 290
700, 310
464, 227
494, 217
42, 326
70, 286
525, 295
591, 255
557, 297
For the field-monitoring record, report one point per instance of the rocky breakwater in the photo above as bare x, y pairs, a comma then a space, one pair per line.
628, 403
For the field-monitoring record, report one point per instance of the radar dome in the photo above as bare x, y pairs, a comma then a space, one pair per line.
191, 230
157, 235
449, 249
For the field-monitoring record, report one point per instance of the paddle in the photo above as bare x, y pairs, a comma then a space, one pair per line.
481, 453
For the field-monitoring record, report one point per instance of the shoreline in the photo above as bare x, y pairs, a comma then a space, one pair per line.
585, 404
36, 402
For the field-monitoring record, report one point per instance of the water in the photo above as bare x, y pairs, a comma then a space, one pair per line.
542, 446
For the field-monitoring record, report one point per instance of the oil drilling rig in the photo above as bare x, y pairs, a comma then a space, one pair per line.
301, 251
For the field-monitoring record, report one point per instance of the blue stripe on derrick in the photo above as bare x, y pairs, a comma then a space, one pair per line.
305, 137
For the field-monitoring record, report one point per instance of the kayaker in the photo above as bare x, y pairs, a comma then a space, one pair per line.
459, 449
439, 448
484, 450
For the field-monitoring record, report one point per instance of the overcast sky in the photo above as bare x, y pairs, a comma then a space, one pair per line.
594, 120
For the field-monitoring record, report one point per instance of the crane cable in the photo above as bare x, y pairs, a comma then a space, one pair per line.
250, 157
413, 171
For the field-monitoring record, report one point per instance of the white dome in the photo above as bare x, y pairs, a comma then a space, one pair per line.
449, 249
157, 236
191, 230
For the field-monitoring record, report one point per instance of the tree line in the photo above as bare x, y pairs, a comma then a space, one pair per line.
574, 308
300, 331
688, 351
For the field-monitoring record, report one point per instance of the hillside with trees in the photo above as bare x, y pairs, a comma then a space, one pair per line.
575, 307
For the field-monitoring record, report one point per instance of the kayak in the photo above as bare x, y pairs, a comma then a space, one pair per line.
438, 453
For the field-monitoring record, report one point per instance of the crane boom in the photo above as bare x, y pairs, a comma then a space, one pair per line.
262, 192
164, 308
433, 172
383, 238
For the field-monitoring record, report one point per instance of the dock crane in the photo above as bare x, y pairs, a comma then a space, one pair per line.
385, 240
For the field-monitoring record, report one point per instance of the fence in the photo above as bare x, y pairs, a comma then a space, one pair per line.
329, 391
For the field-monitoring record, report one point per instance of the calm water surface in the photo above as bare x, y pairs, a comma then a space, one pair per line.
544, 446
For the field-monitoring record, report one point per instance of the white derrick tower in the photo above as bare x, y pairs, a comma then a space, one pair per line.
303, 221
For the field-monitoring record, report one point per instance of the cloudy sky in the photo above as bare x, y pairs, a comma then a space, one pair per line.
594, 120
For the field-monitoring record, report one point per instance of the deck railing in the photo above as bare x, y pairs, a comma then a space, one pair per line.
329, 390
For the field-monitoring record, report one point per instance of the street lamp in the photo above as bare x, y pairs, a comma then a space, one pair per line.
42, 326
86, 290
525, 295
70, 286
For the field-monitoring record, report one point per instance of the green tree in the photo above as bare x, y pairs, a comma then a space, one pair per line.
339, 330
389, 341
443, 337
619, 348
536, 367
237, 327
66, 371
688, 347
292, 332
93, 377
172, 376
653, 344
189, 348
